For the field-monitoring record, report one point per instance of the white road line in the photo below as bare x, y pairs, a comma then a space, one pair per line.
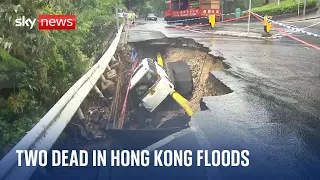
311, 25
293, 31
205, 144
167, 140
302, 20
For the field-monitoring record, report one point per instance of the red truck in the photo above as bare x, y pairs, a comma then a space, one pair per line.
179, 10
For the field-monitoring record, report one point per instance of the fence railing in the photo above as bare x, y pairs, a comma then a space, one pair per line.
44, 134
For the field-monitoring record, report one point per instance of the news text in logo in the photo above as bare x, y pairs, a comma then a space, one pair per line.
56, 22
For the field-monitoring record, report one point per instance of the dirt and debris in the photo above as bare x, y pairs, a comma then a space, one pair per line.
105, 113
201, 64
99, 112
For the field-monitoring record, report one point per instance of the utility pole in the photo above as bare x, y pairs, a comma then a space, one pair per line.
298, 7
222, 9
304, 7
117, 15
249, 16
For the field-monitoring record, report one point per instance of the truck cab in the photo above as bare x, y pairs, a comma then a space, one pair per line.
179, 10
151, 84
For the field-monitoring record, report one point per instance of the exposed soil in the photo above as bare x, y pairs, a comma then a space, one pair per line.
201, 63
97, 111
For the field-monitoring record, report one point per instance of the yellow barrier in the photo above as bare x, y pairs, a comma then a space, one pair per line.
267, 25
182, 102
159, 59
212, 20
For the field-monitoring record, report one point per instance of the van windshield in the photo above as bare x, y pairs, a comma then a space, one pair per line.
146, 82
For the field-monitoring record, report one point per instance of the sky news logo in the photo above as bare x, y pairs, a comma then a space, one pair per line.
49, 22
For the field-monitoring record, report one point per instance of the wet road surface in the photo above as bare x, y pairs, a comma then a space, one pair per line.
273, 111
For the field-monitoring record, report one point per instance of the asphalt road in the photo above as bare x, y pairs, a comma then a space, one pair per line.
273, 111
312, 25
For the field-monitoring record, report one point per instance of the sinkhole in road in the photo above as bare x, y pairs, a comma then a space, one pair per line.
201, 64
142, 128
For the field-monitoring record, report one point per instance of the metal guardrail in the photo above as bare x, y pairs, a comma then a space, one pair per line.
44, 134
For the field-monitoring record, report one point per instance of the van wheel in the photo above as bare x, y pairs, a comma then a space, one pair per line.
182, 77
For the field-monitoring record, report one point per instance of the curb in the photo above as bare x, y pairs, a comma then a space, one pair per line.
283, 17
317, 17
294, 14
276, 36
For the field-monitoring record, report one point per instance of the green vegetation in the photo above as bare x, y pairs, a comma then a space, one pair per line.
287, 6
149, 6
38, 67
244, 4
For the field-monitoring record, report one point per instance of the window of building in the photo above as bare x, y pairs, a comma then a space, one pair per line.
175, 5
184, 4
194, 4
167, 4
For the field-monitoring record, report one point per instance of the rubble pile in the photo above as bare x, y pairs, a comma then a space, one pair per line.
102, 107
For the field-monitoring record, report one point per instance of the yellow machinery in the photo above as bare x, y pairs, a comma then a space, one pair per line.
267, 24
159, 59
184, 103
212, 20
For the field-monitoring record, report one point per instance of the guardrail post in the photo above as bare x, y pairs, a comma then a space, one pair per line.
97, 90
106, 84
116, 64
80, 114
120, 61
111, 74
103, 79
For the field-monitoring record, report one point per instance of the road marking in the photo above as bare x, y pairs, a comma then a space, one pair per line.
204, 144
302, 20
167, 140
311, 25
294, 31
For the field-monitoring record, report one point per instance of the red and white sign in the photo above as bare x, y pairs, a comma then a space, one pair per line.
49, 22
195, 12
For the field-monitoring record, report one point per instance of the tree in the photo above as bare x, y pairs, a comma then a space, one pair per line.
146, 6
44, 63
